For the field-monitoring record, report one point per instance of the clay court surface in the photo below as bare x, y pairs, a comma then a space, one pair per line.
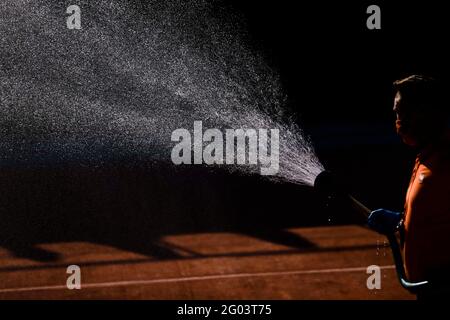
320, 263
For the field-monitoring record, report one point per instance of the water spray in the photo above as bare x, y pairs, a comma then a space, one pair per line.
116, 90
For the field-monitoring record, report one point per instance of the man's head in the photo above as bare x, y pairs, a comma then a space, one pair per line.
422, 113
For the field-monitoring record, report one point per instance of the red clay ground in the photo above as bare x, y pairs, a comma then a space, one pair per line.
213, 266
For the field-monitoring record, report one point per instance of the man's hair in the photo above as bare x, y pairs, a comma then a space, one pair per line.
422, 93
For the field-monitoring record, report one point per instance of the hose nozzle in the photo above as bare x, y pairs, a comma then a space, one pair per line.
329, 185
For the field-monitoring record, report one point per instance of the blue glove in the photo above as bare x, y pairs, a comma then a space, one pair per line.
384, 221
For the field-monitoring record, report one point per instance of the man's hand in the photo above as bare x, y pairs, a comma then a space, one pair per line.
384, 221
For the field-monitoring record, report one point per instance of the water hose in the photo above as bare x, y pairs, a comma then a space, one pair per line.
329, 185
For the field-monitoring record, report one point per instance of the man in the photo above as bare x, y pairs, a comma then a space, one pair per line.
422, 123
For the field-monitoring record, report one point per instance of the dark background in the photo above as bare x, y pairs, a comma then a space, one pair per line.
334, 68
338, 76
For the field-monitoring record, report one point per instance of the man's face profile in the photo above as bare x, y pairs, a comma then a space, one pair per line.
406, 120
416, 125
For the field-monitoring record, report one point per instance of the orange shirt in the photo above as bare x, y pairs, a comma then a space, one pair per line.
427, 214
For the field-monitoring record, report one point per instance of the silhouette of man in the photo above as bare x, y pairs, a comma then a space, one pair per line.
422, 123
